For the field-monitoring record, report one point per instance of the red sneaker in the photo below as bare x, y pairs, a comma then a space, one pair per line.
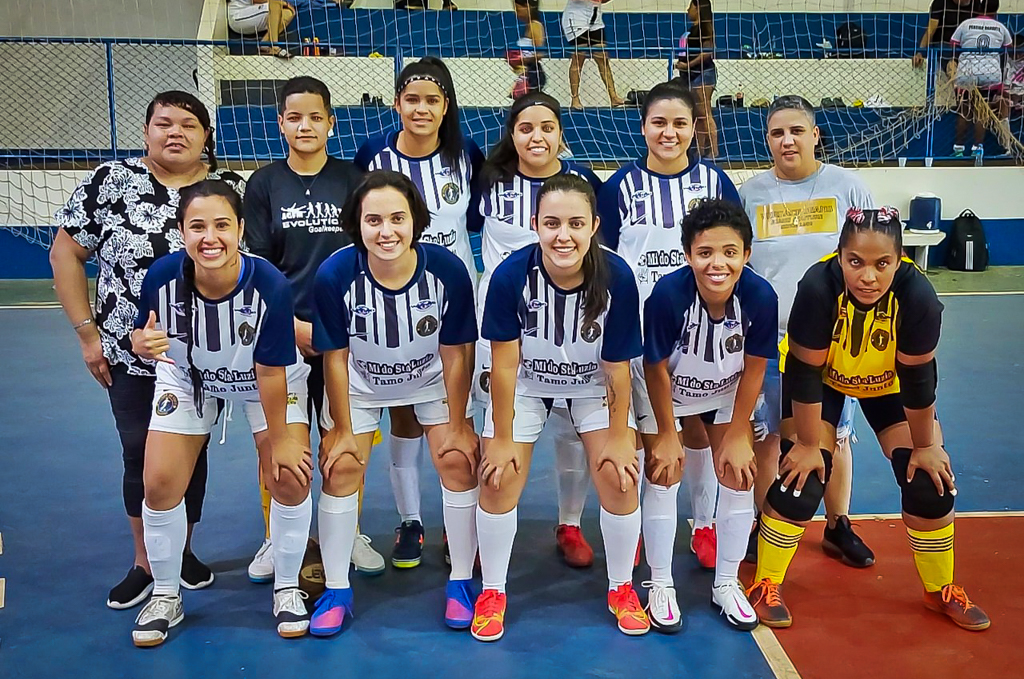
489, 616
704, 543
573, 546
624, 604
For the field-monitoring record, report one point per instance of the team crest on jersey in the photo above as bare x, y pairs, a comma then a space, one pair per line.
363, 311
166, 404
536, 305
880, 339
247, 334
734, 344
590, 331
450, 192
511, 194
427, 326
424, 305
731, 324
246, 311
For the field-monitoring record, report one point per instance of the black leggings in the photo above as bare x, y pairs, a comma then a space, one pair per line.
881, 412
131, 402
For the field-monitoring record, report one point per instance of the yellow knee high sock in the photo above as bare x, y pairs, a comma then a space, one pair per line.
776, 544
933, 555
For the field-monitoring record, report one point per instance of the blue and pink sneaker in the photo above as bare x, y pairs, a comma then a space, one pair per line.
331, 609
460, 595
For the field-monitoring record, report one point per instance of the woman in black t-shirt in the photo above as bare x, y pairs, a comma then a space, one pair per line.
698, 73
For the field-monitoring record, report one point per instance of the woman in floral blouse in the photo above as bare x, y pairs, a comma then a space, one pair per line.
123, 213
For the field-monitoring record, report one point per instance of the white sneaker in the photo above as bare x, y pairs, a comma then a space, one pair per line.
262, 567
158, 615
662, 608
290, 612
731, 600
365, 558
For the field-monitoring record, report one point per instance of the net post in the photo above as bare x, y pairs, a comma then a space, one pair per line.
108, 44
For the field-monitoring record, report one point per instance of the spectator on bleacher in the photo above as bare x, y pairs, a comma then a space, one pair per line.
123, 212
525, 57
697, 72
943, 18
584, 29
430, 149
980, 70
266, 17
797, 208
292, 209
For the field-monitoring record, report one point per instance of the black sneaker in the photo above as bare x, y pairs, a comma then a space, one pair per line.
135, 587
843, 544
194, 573
408, 545
751, 555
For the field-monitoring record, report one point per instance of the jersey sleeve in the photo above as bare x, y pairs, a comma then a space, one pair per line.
860, 196
726, 188
664, 313
157, 276
259, 237
810, 320
589, 175
474, 220
920, 320
275, 345
622, 341
458, 319
330, 313
958, 34
609, 211
78, 215
501, 322
760, 305
366, 152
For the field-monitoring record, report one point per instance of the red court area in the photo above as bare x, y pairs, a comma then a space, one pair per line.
850, 623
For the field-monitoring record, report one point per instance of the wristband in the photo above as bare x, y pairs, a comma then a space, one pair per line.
84, 323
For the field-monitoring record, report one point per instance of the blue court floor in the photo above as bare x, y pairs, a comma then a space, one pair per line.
65, 540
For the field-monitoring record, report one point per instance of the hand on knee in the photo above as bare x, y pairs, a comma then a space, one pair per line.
287, 490
345, 477
455, 471
919, 496
799, 505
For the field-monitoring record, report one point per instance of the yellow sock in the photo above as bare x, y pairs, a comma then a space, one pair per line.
776, 544
933, 555
265, 500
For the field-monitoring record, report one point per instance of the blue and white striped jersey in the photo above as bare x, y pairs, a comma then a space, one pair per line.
560, 354
450, 192
642, 214
393, 336
507, 208
252, 324
705, 355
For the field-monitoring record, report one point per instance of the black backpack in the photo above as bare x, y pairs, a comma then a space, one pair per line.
968, 248
851, 41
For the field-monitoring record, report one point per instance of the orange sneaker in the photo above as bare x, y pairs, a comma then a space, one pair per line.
704, 543
573, 546
952, 602
625, 605
767, 601
489, 616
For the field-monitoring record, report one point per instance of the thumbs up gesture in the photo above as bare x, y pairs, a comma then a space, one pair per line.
151, 342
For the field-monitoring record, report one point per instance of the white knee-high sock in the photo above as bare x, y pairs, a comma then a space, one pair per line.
165, 533
496, 533
337, 517
405, 476
460, 524
732, 525
703, 485
660, 518
289, 529
620, 535
572, 472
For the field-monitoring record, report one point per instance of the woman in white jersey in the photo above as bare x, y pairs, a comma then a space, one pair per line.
430, 150
796, 209
642, 208
709, 330
394, 319
562, 316
584, 31
523, 158
219, 323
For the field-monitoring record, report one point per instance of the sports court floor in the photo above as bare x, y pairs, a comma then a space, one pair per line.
65, 542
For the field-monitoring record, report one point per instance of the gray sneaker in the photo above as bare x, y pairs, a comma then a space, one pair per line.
158, 615
290, 612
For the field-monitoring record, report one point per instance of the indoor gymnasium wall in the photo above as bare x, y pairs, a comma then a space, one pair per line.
101, 18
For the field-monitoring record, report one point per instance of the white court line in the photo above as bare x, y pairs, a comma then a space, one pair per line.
991, 293
47, 305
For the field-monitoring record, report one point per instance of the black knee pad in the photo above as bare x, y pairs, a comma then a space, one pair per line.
799, 508
919, 497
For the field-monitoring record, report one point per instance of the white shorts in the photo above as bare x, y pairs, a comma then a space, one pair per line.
367, 419
250, 20
648, 424
174, 411
531, 412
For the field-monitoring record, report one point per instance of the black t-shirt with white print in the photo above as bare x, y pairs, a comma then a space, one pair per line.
296, 230
126, 217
